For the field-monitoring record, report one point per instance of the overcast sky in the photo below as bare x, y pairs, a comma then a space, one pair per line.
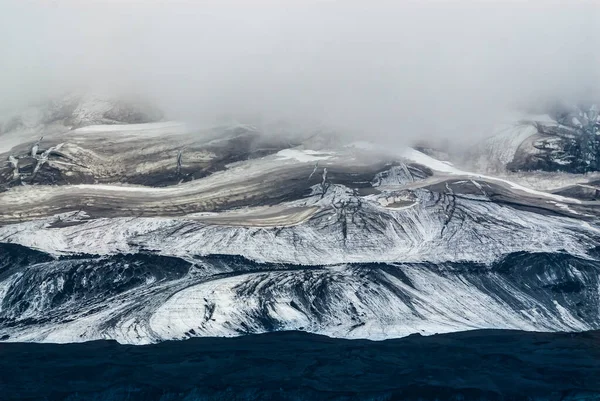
391, 69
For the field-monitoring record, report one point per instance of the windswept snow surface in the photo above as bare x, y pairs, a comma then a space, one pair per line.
421, 158
146, 129
306, 155
448, 168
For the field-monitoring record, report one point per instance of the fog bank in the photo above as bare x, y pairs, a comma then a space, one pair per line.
392, 71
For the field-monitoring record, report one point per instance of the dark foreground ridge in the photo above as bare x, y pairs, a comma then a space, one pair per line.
475, 365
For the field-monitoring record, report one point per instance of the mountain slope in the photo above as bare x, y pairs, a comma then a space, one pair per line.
146, 298
149, 232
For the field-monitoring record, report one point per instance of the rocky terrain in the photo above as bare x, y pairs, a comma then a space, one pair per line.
564, 140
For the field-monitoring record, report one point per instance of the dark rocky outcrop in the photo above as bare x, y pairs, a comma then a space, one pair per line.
571, 145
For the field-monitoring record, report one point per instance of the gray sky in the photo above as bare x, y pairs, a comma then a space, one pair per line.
389, 69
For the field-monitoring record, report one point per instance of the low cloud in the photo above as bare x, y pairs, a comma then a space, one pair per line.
391, 71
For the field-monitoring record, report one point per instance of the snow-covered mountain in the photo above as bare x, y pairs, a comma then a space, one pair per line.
143, 298
77, 110
566, 140
154, 231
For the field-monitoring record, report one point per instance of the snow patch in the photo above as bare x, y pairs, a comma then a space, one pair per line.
303, 155
131, 127
444, 167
